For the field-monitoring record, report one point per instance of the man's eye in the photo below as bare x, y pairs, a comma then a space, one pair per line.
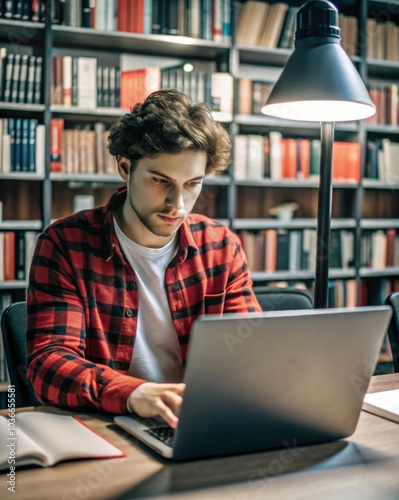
194, 183
160, 181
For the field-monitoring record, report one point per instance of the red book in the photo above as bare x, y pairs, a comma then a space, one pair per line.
9, 255
304, 158
391, 235
122, 15
93, 16
290, 159
56, 130
139, 16
353, 155
271, 250
137, 84
346, 161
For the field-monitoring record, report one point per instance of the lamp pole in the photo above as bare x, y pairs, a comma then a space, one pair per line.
324, 215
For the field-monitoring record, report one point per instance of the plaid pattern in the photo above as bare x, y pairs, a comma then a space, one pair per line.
83, 303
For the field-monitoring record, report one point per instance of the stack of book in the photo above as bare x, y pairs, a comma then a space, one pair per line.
22, 145
258, 157
20, 77
273, 25
16, 254
207, 19
273, 250
80, 149
82, 82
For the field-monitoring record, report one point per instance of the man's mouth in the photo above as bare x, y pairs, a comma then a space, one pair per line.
169, 220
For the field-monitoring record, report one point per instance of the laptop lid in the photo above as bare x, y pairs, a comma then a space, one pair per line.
273, 380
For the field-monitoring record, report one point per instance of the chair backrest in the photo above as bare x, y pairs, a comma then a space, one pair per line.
283, 299
393, 328
13, 327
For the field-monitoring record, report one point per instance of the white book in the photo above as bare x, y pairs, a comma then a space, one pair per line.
110, 12
101, 11
30, 244
384, 404
347, 248
67, 80
240, 157
6, 153
294, 250
276, 155
256, 157
378, 250
40, 149
41, 438
87, 82
222, 90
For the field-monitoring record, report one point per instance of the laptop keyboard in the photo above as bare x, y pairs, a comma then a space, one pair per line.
164, 434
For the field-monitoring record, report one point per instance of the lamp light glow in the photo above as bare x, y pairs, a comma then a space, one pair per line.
318, 111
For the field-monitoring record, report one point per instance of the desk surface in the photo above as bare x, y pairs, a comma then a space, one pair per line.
364, 466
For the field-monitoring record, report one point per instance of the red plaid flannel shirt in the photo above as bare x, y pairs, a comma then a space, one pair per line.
83, 303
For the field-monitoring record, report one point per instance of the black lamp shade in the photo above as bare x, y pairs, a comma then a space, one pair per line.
319, 81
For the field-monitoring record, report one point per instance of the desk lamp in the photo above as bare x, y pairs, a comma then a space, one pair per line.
319, 83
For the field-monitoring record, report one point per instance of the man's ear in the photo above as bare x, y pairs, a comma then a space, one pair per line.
124, 168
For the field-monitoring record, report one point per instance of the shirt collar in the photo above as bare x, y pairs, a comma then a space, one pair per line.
187, 243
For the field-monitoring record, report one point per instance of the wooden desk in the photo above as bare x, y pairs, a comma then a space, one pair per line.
366, 465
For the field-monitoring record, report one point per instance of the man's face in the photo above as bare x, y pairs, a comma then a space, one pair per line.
161, 193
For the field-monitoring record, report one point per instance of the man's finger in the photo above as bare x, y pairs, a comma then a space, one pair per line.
167, 414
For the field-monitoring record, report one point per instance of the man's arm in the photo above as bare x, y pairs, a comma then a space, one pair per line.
57, 336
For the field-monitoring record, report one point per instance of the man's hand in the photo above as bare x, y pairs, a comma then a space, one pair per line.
151, 399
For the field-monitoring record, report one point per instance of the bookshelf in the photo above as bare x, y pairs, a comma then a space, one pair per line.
31, 200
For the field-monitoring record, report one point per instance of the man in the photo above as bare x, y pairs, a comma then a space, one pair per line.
114, 291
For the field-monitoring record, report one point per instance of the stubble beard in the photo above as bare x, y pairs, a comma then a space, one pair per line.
161, 230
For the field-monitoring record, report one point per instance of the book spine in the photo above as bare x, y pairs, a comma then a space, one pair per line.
9, 255
20, 255
32, 145
67, 81
25, 145
15, 77
18, 145
23, 79
74, 81
6, 96
56, 128
86, 14
147, 26
30, 80
38, 80
87, 82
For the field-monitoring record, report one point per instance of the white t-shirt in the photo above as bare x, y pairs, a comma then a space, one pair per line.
156, 354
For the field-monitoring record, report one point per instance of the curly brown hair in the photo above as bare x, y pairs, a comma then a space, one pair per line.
170, 122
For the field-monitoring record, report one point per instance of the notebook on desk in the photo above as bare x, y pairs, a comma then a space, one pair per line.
273, 380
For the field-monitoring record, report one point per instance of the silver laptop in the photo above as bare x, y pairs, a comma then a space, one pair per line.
272, 380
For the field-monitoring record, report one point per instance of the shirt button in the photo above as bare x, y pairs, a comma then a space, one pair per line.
129, 313
131, 286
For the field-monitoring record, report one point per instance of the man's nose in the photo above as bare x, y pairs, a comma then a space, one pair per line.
175, 199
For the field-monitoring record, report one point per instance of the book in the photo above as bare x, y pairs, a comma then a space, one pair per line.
87, 82
384, 404
44, 439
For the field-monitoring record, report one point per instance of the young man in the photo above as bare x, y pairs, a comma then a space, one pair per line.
114, 290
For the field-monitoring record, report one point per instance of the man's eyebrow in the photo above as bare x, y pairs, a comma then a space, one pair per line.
160, 174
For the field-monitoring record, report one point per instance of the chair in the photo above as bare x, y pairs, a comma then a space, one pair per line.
13, 327
393, 328
283, 299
